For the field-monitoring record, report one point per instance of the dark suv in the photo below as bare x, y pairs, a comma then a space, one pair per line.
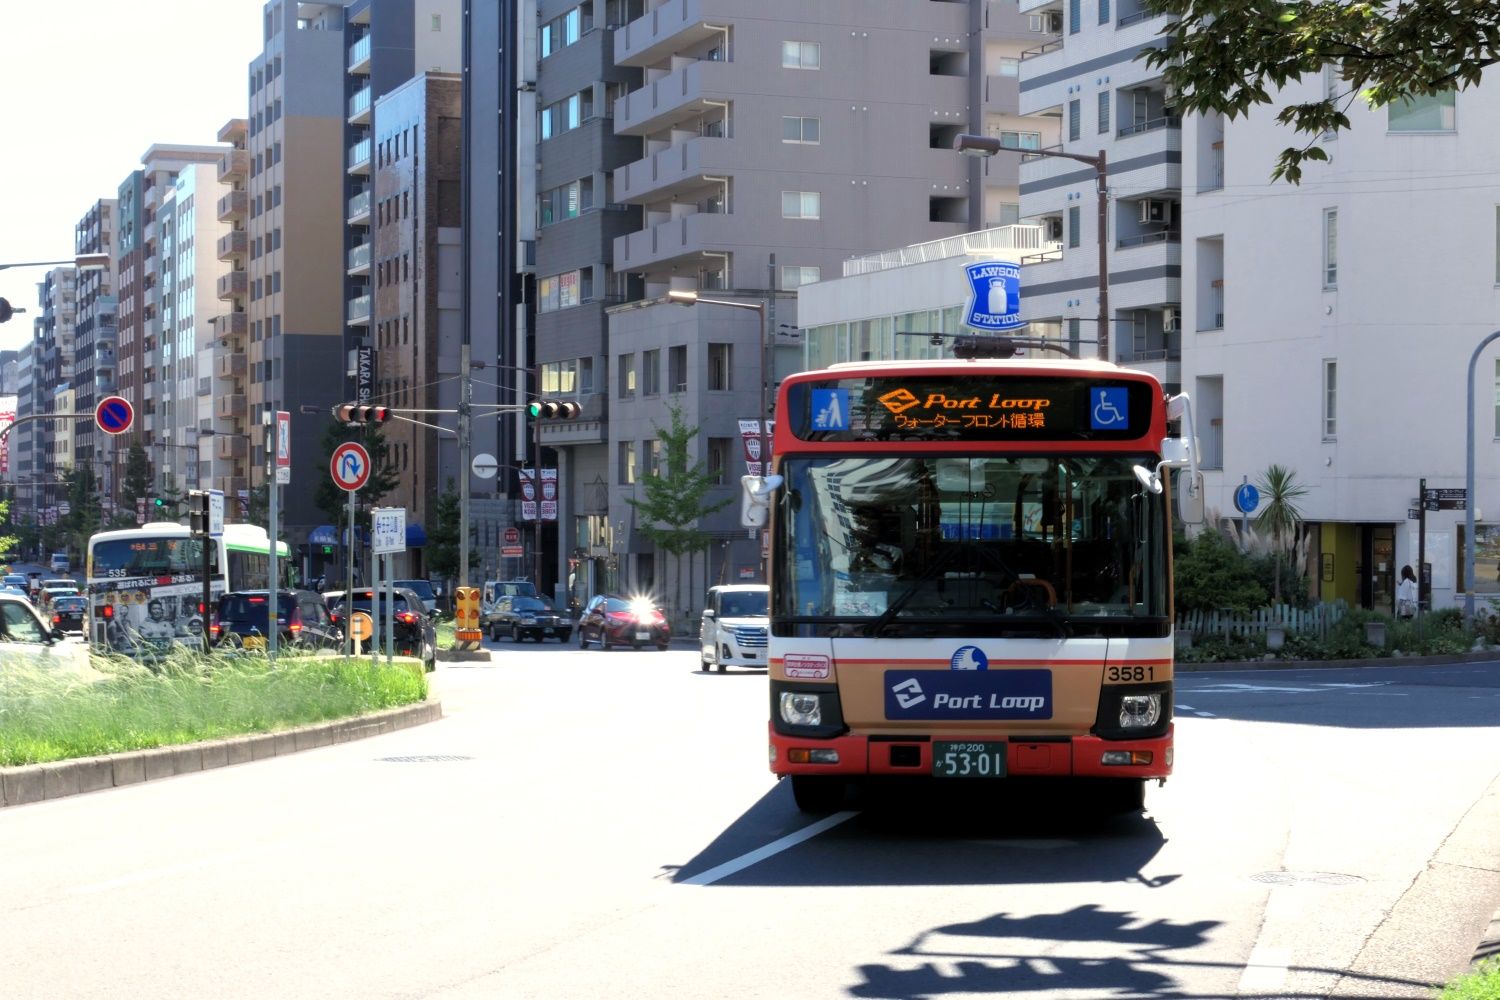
415, 633
302, 620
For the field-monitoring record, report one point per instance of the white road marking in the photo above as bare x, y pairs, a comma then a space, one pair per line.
775, 847
1265, 970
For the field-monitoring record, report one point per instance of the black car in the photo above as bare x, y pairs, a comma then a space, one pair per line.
67, 613
302, 620
414, 631
527, 618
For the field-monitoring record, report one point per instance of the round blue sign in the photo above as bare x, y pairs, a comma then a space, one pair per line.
1246, 498
114, 415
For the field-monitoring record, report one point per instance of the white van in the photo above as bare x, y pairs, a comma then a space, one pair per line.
60, 563
735, 627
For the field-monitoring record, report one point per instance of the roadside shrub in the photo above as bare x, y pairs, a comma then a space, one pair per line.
1219, 649
1210, 574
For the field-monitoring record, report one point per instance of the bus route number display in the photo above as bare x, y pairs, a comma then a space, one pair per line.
895, 408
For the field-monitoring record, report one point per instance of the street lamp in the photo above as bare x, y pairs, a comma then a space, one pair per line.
83, 262
684, 297
989, 145
1469, 487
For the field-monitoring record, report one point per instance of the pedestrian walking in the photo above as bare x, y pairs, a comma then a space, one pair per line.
1406, 593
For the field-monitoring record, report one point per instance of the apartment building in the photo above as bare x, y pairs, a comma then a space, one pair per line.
54, 333
1298, 352
146, 266
96, 342
19, 461
228, 451
292, 210
1088, 94
412, 257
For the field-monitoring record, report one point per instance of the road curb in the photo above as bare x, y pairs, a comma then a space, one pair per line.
55, 780
1373, 661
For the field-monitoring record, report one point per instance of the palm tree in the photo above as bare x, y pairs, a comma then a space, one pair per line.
1280, 515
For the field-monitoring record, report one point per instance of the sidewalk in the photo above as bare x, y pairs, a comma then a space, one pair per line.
1489, 655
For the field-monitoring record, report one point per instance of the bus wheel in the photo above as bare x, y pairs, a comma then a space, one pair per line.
816, 793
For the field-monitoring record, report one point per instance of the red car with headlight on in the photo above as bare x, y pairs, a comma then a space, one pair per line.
621, 621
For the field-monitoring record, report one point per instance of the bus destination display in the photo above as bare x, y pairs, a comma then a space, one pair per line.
963, 409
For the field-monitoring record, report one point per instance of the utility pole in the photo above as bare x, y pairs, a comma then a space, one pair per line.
465, 403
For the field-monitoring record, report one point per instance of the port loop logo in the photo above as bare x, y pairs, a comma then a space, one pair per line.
968, 694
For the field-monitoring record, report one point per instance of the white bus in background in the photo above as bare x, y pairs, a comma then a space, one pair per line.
145, 585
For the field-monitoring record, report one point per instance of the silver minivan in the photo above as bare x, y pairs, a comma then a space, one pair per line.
735, 626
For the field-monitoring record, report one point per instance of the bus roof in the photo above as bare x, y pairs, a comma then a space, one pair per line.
979, 366
236, 535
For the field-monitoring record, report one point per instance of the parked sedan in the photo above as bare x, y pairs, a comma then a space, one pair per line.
67, 613
527, 618
618, 621
415, 633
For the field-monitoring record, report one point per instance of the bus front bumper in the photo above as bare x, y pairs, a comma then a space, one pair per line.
1075, 756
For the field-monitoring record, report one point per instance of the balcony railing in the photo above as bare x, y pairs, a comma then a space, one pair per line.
234, 283
359, 56
1042, 49
231, 365
359, 157
359, 311
1151, 125
1142, 239
234, 163
358, 259
359, 105
231, 324
233, 244
230, 406
233, 204
359, 208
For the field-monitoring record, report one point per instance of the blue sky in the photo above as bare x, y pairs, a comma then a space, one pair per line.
88, 86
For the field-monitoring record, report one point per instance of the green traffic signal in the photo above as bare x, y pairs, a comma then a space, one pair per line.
160, 502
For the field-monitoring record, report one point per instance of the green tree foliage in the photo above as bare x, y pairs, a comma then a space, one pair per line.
1280, 516
136, 484
676, 494
1229, 56
9, 543
442, 553
83, 517
1210, 574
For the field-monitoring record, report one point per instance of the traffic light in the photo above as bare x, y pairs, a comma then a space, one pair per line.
359, 413
163, 504
198, 513
552, 409
6, 312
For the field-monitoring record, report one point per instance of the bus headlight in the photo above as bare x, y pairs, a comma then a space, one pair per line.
1140, 711
801, 708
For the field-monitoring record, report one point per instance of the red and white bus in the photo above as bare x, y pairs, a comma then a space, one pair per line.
971, 574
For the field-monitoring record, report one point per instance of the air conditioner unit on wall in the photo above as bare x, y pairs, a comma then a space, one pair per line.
1055, 21
1053, 227
1153, 210
1170, 319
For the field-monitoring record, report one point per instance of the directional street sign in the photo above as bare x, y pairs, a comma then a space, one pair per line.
1448, 499
350, 466
283, 447
388, 530
114, 415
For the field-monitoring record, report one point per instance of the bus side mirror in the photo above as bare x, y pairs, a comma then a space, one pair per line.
755, 499
1190, 498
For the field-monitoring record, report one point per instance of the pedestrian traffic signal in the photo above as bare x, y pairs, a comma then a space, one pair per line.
552, 409
358, 413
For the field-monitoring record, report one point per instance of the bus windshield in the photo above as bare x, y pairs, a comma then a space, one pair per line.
131, 558
970, 545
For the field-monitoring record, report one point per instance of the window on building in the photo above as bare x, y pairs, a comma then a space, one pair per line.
562, 291
797, 275
560, 377
627, 463
1431, 113
1019, 140
651, 373
1008, 66
803, 130
1103, 112
1075, 119
717, 459
720, 358
1332, 90
651, 453
1103, 11
800, 205
1330, 248
677, 369
585, 375
1497, 397
567, 201
1330, 399
1075, 226
437, 22
801, 55
627, 375
1075, 16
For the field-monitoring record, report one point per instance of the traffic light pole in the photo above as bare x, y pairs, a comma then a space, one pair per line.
536, 535
273, 517
465, 400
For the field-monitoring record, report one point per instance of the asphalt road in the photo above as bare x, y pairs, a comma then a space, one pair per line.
588, 824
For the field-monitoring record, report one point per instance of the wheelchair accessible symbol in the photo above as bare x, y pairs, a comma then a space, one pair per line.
1108, 408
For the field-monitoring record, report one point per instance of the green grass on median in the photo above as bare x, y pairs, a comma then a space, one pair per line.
1481, 984
110, 704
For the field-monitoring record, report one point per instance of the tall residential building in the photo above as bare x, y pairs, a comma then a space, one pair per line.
227, 450
1086, 90
54, 340
293, 212
96, 339
1298, 352
19, 442
145, 267
412, 256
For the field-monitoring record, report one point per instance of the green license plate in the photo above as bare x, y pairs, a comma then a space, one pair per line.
968, 760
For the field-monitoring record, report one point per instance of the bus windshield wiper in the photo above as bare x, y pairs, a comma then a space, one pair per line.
1061, 621
894, 608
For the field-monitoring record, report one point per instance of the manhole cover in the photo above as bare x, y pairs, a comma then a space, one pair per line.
423, 758
1305, 878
